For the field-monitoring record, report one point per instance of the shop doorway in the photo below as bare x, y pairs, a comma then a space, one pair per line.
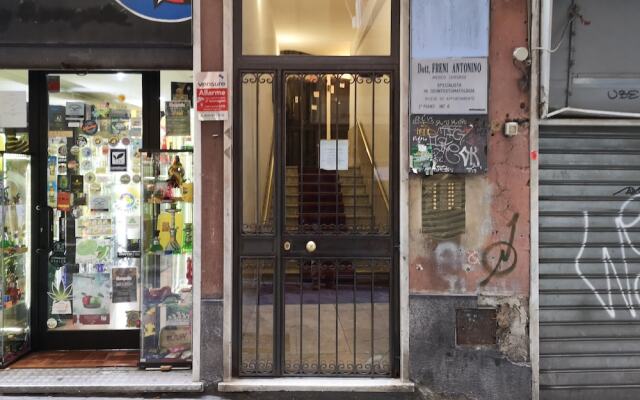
90, 166
99, 264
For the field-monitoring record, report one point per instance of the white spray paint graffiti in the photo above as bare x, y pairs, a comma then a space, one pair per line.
628, 289
470, 156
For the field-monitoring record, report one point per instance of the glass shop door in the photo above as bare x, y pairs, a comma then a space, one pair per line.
92, 168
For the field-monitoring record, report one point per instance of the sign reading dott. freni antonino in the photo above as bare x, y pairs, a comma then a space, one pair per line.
449, 86
212, 102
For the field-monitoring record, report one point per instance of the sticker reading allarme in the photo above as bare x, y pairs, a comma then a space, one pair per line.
449, 86
212, 96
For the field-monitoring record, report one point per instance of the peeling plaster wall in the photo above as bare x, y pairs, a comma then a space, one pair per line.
456, 266
449, 274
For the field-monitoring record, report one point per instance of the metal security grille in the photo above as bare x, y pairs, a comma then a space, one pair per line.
315, 280
589, 263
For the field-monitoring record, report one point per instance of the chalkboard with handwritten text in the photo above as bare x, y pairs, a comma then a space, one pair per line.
457, 143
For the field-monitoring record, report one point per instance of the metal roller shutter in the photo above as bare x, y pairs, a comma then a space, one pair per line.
589, 263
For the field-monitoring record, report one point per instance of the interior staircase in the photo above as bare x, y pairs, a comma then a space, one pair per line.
326, 200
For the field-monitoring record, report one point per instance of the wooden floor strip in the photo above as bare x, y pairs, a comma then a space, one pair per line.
79, 359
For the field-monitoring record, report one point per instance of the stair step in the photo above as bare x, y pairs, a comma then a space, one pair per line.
350, 180
313, 203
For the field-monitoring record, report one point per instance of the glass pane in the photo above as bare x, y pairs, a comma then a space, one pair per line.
15, 267
15, 217
337, 153
256, 330
258, 166
320, 28
167, 263
14, 133
93, 193
337, 317
176, 110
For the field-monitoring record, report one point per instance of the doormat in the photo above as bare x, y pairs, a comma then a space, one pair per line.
79, 359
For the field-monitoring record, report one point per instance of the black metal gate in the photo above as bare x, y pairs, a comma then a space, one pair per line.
315, 277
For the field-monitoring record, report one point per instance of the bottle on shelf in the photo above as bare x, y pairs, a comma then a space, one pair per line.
173, 247
156, 247
6, 243
187, 238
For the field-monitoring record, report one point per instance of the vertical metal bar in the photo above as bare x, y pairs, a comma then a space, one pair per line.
337, 264
239, 316
372, 318
258, 228
391, 316
337, 171
259, 288
570, 60
355, 148
318, 333
301, 158
355, 350
373, 144
300, 266
319, 220
279, 276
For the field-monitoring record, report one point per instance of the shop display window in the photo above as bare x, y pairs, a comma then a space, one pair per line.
167, 262
15, 217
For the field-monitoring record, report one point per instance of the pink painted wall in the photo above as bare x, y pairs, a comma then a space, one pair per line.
458, 266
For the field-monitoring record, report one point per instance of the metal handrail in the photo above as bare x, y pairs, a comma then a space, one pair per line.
266, 203
385, 198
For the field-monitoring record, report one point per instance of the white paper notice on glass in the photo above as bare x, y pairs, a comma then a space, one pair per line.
334, 156
13, 109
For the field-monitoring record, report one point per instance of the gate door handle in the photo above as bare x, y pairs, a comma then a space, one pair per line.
311, 246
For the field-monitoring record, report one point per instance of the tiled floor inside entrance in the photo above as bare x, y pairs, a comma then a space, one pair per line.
78, 359
322, 338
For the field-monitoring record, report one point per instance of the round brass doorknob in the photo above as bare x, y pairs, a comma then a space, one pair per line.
311, 246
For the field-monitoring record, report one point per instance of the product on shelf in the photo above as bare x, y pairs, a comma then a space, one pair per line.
167, 265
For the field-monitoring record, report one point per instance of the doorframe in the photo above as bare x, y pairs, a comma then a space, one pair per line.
396, 64
41, 338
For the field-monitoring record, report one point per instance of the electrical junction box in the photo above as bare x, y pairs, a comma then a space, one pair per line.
510, 129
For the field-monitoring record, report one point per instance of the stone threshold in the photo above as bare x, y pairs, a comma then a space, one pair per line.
95, 381
366, 385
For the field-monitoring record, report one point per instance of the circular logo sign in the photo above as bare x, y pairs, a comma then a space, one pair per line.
159, 10
90, 127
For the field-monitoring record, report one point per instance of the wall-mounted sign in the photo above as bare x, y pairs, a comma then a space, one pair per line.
178, 117
13, 109
182, 91
334, 155
452, 28
212, 102
124, 285
118, 160
159, 10
448, 144
449, 86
